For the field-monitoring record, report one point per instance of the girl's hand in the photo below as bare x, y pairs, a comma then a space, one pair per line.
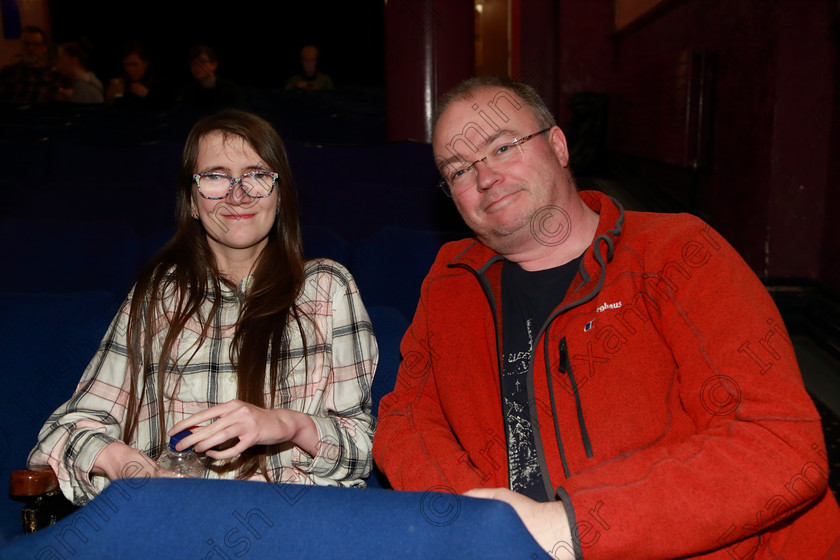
139, 89
252, 425
119, 460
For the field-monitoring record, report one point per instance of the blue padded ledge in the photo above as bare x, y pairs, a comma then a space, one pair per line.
213, 519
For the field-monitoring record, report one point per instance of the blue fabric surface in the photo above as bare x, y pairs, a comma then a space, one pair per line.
168, 518
324, 242
46, 341
389, 326
68, 256
390, 265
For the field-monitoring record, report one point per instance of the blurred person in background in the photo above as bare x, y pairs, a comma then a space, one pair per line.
311, 78
207, 90
29, 78
138, 86
80, 84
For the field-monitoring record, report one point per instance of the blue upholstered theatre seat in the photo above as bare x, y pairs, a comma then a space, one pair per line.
67, 256
408, 163
390, 265
152, 242
24, 164
324, 242
113, 126
389, 325
111, 162
226, 519
358, 209
144, 205
46, 341
346, 115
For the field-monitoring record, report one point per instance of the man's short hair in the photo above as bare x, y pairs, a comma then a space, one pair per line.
529, 95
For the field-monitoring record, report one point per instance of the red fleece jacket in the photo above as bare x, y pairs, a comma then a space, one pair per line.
670, 410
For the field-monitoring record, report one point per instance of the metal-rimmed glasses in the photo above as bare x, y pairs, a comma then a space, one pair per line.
255, 184
458, 176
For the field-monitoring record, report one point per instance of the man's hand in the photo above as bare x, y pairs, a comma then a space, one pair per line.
547, 522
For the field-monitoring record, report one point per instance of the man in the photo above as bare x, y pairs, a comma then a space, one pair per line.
29, 79
622, 379
82, 85
311, 78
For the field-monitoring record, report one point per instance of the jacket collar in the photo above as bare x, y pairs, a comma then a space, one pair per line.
479, 257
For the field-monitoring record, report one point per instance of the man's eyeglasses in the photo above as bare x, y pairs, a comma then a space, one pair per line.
459, 176
255, 184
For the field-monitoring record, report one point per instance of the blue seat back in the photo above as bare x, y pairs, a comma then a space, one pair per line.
46, 341
390, 265
67, 256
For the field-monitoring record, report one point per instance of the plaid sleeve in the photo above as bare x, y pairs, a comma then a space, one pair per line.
345, 424
78, 430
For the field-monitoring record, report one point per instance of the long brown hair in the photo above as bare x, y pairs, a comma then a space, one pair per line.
185, 274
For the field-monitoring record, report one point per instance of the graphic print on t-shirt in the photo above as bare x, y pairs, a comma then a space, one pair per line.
523, 462
528, 298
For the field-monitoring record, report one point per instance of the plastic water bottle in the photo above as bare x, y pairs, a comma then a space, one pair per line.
184, 464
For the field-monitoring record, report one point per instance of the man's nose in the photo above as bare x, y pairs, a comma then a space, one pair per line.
485, 175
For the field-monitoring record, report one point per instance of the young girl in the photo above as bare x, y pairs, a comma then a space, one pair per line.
228, 332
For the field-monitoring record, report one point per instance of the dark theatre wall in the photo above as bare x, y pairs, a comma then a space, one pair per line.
770, 181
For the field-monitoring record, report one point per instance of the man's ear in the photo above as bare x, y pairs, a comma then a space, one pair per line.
558, 143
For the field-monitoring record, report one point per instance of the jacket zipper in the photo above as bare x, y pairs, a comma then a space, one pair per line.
564, 367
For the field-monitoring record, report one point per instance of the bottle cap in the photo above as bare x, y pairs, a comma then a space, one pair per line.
173, 441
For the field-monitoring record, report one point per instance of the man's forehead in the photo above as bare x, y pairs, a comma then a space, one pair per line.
487, 106
477, 118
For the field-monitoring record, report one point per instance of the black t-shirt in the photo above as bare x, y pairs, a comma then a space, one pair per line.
528, 298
